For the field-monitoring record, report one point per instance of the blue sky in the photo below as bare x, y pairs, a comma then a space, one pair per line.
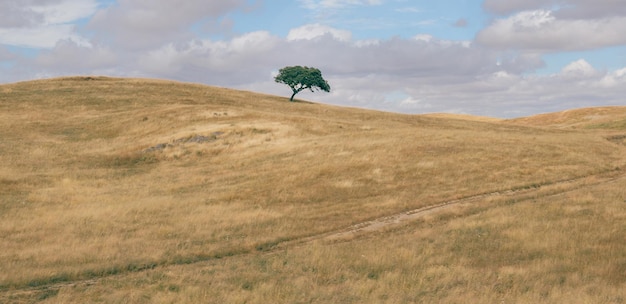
502, 58
377, 21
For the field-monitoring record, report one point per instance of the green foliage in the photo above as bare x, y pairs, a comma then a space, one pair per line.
300, 78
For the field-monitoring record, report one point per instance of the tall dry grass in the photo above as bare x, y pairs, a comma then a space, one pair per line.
100, 178
553, 249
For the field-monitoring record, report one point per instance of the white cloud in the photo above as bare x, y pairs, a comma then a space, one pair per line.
431, 39
324, 4
423, 37
228, 62
614, 79
41, 24
40, 37
312, 31
579, 69
569, 9
260, 41
140, 24
505, 7
65, 11
68, 56
541, 30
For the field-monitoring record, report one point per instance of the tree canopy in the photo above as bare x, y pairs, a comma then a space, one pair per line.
300, 78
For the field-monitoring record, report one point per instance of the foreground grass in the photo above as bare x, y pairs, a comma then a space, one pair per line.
103, 177
563, 248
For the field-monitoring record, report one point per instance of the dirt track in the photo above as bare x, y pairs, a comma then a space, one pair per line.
26, 294
479, 200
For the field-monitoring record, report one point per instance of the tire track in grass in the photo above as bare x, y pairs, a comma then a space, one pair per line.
519, 195
485, 199
25, 294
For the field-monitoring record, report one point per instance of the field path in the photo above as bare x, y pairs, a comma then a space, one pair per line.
479, 200
486, 200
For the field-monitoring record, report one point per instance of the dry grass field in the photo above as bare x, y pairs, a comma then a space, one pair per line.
145, 191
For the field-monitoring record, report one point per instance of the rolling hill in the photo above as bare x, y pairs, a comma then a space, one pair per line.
586, 118
149, 191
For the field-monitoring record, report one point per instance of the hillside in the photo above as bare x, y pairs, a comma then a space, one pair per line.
586, 118
148, 191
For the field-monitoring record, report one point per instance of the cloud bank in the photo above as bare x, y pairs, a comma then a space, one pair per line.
489, 75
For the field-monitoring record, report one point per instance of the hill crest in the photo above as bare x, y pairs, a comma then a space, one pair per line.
583, 118
600, 117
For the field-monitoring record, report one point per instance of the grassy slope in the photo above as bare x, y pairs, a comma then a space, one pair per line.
584, 118
81, 199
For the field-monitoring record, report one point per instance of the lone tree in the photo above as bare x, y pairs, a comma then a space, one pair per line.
301, 78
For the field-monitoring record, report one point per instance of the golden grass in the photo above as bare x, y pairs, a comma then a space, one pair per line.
464, 117
591, 118
553, 249
103, 177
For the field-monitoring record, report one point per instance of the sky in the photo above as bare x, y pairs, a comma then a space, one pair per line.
499, 58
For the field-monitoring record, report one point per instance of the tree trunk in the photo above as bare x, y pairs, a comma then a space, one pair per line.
293, 95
